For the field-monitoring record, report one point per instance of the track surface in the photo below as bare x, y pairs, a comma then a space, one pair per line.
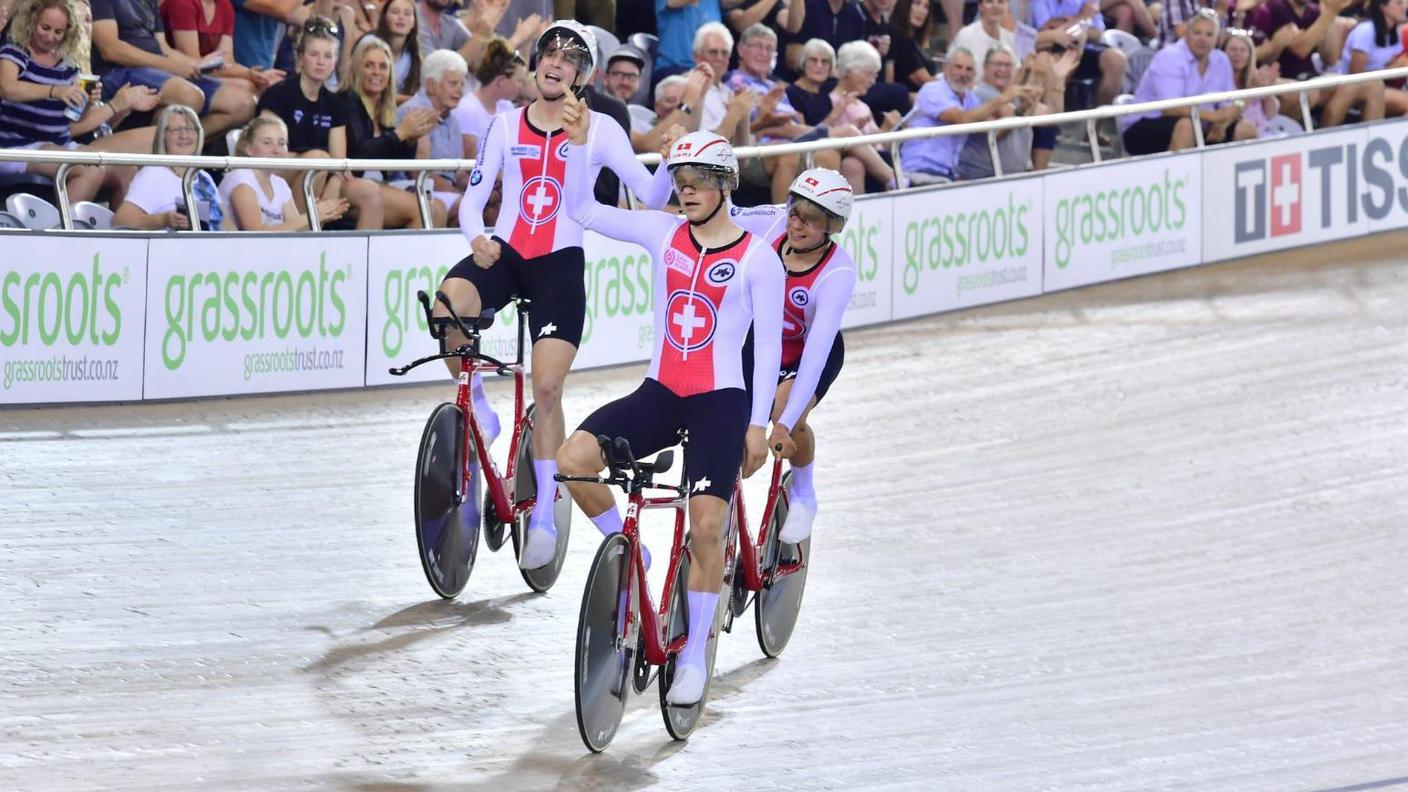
1146, 535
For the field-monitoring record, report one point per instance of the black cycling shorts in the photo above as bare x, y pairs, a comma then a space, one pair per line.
651, 417
555, 283
834, 360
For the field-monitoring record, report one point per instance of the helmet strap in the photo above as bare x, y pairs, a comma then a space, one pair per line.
723, 199
825, 240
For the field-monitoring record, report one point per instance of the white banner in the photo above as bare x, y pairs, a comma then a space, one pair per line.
1281, 194
620, 324
962, 246
232, 315
71, 318
869, 237
1120, 220
1384, 196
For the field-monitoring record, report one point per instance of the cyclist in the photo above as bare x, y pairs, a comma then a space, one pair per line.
820, 279
536, 250
712, 280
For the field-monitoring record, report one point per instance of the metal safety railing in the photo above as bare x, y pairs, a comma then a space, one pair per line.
423, 168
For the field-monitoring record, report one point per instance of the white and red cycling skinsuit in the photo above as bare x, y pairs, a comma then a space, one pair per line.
814, 304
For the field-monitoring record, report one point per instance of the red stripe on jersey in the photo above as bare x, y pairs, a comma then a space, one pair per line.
693, 300
540, 200
798, 309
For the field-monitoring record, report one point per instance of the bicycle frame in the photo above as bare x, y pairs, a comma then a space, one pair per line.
653, 619
755, 578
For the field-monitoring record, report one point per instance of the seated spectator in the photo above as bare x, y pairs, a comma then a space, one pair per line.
128, 48
1131, 16
857, 66
678, 22
1191, 67
155, 201
259, 200
373, 131
1376, 43
943, 102
194, 32
810, 93
442, 87
880, 33
725, 111
1241, 54
986, 31
260, 25
317, 123
1015, 147
833, 21
500, 75
1078, 24
914, 25
1289, 32
782, 16
439, 27
1175, 14
677, 102
397, 27
624, 67
40, 94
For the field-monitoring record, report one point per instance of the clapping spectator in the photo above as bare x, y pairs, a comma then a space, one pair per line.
913, 22
943, 102
1246, 73
677, 102
811, 91
857, 67
880, 33
397, 27
782, 16
129, 48
442, 87
833, 21
986, 31
156, 201
204, 29
373, 131
260, 200
1014, 146
679, 21
1289, 32
1078, 24
1191, 67
1377, 43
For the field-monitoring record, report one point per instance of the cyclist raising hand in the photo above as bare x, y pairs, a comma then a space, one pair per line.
536, 249
712, 281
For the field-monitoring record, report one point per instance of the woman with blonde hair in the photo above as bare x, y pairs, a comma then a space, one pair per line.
1241, 52
259, 199
155, 201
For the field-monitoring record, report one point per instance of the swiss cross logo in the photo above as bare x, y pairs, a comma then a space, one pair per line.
1269, 204
813, 182
690, 321
540, 200
684, 146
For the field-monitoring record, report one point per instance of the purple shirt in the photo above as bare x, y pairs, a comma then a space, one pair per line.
1173, 74
938, 155
1044, 11
1276, 14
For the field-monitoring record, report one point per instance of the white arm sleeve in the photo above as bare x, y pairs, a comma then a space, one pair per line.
611, 148
649, 229
765, 285
831, 296
481, 180
766, 221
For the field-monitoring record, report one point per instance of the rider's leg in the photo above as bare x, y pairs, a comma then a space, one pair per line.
706, 575
552, 358
465, 297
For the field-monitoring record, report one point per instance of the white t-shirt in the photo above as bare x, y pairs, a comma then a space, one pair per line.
156, 189
272, 208
976, 40
1361, 38
472, 116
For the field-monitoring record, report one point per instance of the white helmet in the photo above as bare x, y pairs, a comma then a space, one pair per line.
825, 188
575, 31
706, 151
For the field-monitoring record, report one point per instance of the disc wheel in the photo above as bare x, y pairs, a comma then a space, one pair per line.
447, 534
680, 721
525, 481
603, 668
777, 604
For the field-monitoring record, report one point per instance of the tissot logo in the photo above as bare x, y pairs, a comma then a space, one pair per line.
1285, 197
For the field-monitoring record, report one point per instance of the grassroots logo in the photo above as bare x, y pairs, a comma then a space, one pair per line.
961, 238
690, 321
1119, 213
541, 199
76, 306
403, 311
722, 272
800, 297
244, 304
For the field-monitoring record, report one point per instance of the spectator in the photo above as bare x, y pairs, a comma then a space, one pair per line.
155, 201
1241, 54
913, 26
857, 66
986, 31
623, 70
1174, 16
1191, 67
317, 123
601, 13
442, 87
499, 74
1069, 24
1289, 32
1131, 16
833, 21
373, 132
440, 28
677, 101
678, 21
880, 33
811, 91
944, 102
1015, 147
259, 200
39, 84
397, 27
725, 111
200, 29
1376, 44
127, 49
782, 16
259, 24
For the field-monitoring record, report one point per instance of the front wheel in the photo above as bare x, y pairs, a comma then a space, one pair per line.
603, 664
447, 524
525, 481
777, 604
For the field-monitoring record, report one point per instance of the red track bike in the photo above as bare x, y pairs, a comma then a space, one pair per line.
453, 452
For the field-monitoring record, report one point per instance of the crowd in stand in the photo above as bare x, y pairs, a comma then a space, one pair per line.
408, 79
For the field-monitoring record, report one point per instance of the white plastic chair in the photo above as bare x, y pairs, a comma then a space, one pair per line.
36, 213
1122, 99
1128, 43
231, 138
606, 43
9, 221
1283, 126
94, 217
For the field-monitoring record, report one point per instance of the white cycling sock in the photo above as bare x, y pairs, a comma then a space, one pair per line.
608, 522
702, 605
544, 470
801, 486
488, 419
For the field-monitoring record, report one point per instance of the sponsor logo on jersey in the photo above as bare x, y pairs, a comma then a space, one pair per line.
526, 150
722, 272
475, 176
562, 150
540, 200
800, 297
690, 321
678, 261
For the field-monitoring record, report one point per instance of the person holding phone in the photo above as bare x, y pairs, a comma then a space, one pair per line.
156, 201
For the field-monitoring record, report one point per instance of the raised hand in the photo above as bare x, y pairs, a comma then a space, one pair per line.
668, 141
576, 119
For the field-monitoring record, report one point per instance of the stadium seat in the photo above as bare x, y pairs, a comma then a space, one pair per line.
1283, 126
9, 221
648, 43
91, 216
606, 43
36, 213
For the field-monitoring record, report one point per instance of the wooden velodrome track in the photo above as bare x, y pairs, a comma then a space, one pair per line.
1149, 535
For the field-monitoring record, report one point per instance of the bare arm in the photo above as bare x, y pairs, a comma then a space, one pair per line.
742, 20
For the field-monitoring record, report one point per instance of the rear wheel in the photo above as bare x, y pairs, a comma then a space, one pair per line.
680, 721
603, 666
777, 604
525, 481
447, 529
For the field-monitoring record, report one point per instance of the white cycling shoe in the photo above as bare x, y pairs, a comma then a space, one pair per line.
688, 687
798, 526
540, 546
